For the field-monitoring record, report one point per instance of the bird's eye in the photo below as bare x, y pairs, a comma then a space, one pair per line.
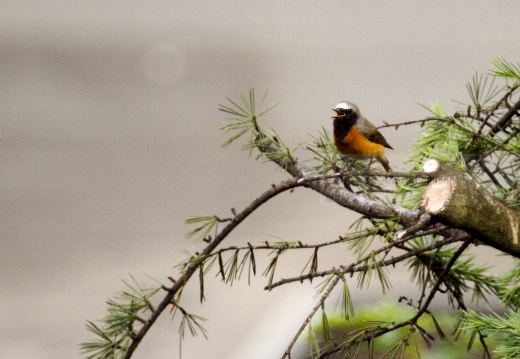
348, 111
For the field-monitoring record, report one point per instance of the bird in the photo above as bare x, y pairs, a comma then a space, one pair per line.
356, 137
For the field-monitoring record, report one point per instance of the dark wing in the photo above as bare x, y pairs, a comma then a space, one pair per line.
378, 138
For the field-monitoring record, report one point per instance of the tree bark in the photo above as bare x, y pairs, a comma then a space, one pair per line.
456, 200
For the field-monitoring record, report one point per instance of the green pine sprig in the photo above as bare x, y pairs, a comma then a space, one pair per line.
114, 332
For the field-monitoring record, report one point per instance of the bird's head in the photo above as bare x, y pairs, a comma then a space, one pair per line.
346, 112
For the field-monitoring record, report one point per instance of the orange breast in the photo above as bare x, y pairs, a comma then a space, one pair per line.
357, 144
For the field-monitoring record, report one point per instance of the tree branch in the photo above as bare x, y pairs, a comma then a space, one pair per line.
424, 308
352, 268
505, 120
455, 200
182, 280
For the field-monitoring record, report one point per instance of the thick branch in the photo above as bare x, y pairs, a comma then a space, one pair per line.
302, 176
455, 200
335, 190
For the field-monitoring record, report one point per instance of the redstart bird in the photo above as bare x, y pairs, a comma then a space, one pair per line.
357, 137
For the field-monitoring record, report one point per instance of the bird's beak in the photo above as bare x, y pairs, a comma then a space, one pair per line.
338, 114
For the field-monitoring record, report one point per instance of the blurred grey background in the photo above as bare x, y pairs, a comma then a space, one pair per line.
108, 143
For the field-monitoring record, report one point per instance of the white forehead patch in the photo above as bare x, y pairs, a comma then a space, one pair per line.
342, 106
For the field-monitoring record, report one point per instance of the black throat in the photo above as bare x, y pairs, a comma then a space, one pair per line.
341, 128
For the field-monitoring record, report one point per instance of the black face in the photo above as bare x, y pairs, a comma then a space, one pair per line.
343, 121
345, 115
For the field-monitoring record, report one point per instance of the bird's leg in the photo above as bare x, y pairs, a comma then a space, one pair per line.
368, 168
345, 179
351, 165
368, 179
346, 182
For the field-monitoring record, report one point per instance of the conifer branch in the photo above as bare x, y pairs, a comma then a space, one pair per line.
487, 134
168, 299
355, 267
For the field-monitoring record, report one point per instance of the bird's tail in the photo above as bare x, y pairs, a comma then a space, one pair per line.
384, 161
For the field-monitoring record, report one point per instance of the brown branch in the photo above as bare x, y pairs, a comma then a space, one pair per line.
181, 281
330, 188
353, 173
491, 176
307, 320
457, 201
443, 275
506, 119
287, 245
475, 134
302, 176
482, 137
413, 122
422, 310
502, 145
318, 183
352, 268
488, 117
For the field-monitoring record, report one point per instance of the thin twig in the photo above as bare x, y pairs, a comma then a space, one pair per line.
443, 275
475, 134
352, 268
505, 120
307, 320
492, 177
181, 281
487, 118
411, 322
